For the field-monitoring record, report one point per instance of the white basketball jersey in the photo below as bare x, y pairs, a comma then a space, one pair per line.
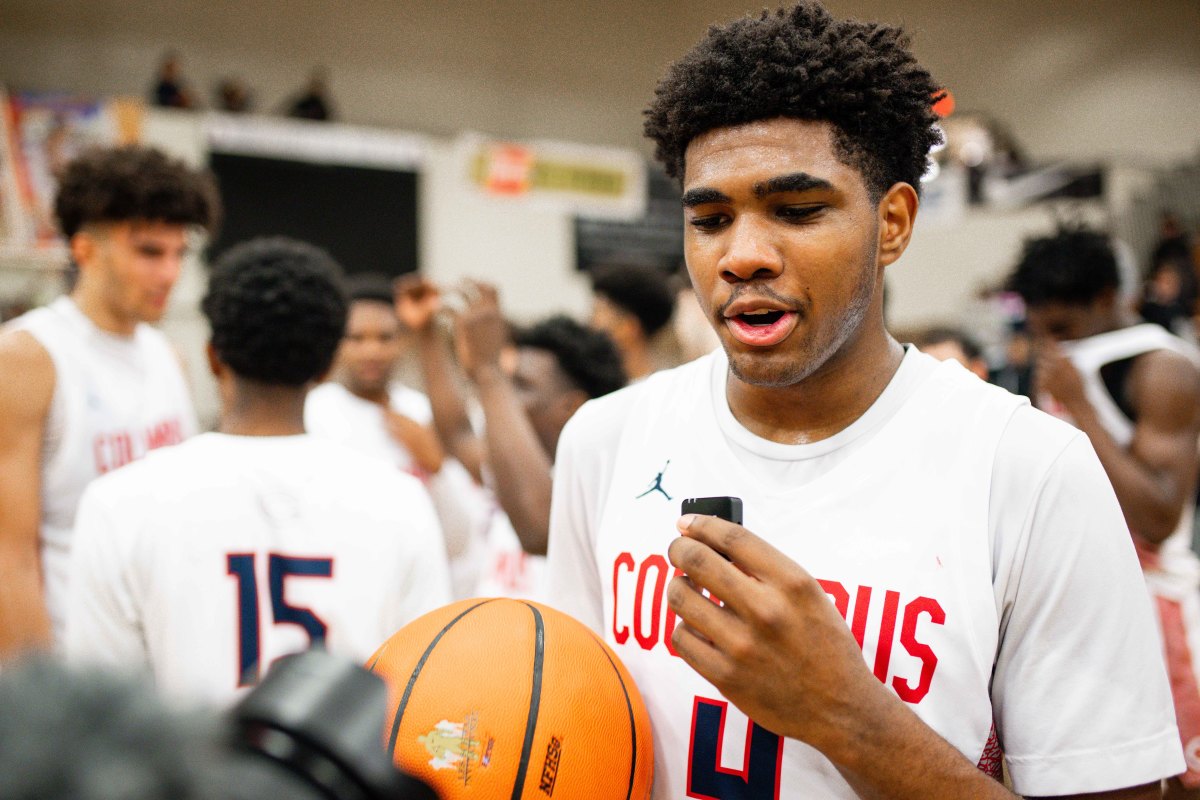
334, 412
115, 399
507, 570
208, 561
1173, 569
464, 508
900, 531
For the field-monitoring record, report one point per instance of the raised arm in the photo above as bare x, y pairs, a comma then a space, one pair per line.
1155, 475
519, 463
25, 395
417, 304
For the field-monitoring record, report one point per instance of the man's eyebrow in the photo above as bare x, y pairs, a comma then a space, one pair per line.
697, 197
795, 182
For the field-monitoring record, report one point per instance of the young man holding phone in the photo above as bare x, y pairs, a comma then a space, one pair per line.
932, 576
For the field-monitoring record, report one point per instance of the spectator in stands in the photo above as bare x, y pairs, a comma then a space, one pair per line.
314, 102
170, 91
233, 96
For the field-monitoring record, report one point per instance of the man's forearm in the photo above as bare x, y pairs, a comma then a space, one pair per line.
450, 418
519, 463
24, 622
892, 754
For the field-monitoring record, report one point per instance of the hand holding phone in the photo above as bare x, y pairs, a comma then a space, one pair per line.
726, 508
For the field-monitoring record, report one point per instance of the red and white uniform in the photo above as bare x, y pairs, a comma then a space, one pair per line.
463, 507
506, 570
973, 544
206, 562
1172, 570
115, 399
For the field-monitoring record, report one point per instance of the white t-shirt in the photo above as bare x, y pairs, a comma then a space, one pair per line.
973, 544
463, 507
206, 562
115, 399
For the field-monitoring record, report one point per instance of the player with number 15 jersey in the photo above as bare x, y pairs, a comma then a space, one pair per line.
206, 562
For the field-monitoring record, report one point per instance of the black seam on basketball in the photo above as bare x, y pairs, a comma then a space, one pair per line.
535, 700
412, 679
375, 660
629, 708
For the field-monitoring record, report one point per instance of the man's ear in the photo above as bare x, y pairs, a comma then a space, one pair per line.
215, 365
84, 246
897, 213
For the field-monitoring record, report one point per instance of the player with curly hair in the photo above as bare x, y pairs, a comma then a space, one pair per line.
529, 383
89, 385
1134, 389
933, 577
205, 562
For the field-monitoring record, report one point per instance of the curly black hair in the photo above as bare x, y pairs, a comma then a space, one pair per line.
277, 308
1074, 266
587, 357
801, 63
644, 292
117, 184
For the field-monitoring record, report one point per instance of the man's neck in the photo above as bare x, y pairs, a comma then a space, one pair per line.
101, 315
825, 402
264, 411
637, 363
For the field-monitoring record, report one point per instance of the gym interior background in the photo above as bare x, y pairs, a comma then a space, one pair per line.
1100, 98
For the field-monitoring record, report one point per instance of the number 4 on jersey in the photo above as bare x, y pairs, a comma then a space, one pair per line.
241, 567
708, 780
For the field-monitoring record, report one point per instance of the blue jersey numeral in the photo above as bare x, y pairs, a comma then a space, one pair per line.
241, 567
708, 780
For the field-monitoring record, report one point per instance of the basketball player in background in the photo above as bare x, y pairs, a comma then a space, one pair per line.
207, 561
368, 409
88, 385
631, 305
558, 365
1134, 389
951, 344
879, 635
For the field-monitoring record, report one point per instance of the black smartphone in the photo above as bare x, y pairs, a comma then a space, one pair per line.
726, 508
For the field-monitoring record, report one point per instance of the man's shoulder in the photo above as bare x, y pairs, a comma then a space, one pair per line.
1032, 444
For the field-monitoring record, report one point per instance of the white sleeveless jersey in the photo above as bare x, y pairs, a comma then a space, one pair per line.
115, 399
1176, 569
464, 508
949, 538
206, 562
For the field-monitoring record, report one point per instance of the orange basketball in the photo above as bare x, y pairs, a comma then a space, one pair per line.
505, 699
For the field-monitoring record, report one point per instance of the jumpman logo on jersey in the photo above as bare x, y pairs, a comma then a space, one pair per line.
656, 484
